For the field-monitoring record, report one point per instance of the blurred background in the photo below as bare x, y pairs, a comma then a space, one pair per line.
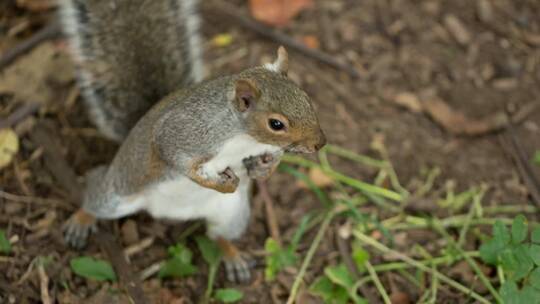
432, 113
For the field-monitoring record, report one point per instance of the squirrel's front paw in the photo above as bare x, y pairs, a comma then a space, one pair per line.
228, 181
261, 166
78, 228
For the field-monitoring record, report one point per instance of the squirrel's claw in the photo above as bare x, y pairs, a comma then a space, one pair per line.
237, 270
77, 230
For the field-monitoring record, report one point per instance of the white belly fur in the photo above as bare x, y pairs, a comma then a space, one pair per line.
182, 199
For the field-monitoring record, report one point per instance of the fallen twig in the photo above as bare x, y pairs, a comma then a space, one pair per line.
50, 31
456, 122
271, 220
44, 284
128, 279
138, 247
19, 114
531, 180
151, 270
234, 13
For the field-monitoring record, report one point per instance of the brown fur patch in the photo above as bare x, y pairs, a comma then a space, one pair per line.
83, 218
228, 249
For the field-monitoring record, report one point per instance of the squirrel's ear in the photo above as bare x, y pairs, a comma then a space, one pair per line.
246, 94
281, 64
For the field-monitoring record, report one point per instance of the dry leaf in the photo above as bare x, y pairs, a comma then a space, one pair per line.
318, 178
9, 146
277, 12
400, 297
28, 77
311, 41
408, 101
457, 123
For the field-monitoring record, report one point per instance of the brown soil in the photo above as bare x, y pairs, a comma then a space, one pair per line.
398, 46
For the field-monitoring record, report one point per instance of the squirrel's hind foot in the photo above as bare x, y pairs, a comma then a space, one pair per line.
237, 267
78, 228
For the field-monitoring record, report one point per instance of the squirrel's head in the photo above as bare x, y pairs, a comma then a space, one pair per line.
275, 109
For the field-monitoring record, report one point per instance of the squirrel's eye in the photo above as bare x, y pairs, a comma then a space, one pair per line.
276, 125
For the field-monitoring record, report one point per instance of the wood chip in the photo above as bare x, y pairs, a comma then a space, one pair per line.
505, 84
409, 101
485, 10
457, 29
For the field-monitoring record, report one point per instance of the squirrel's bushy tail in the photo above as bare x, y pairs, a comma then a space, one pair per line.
131, 53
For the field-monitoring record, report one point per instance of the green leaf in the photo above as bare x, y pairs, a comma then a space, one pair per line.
322, 287
535, 235
328, 291
528, 295
534, 253
500, 233
209, 249
489, 251
359, 255
340, 275
228, 295
91, 268
299, 232
516, 262
534, 278
179, 264
509, 292
536, 158
277, 259
519, 229
5, 246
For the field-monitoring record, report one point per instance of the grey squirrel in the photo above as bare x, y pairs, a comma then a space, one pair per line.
193, 154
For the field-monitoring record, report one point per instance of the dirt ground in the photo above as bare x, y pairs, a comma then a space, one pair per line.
486, 65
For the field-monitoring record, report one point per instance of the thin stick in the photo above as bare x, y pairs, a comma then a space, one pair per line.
138, 247
527, 173
28, 199
271, 220
377, 282
44, 284
469, 260
234, 13
19, 114
151, 270
309, 257
50, 31
381, 247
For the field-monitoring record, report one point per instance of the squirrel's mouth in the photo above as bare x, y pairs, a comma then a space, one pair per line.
292, 148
